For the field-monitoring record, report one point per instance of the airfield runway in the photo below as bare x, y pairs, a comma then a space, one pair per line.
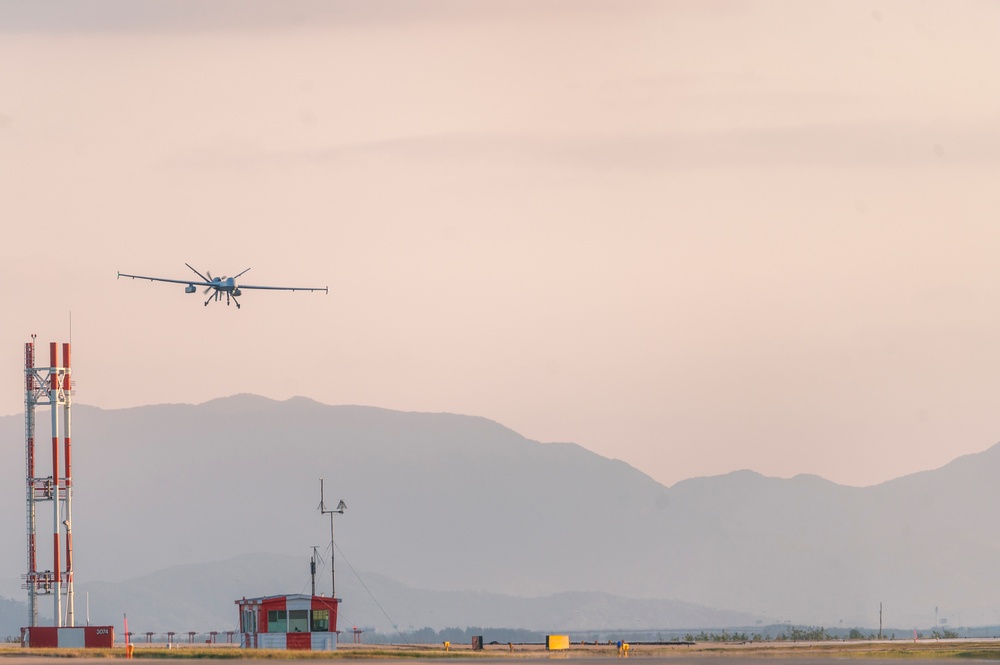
929, 652
656, 659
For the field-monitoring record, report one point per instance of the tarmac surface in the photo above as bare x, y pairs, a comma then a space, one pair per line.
658, 659
886, 652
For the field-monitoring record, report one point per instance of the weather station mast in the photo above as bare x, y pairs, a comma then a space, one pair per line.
50, 386
339, 510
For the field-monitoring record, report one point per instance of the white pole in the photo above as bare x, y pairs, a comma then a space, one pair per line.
67, 441
53, 402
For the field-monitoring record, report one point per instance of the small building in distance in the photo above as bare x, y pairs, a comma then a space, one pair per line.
297, 621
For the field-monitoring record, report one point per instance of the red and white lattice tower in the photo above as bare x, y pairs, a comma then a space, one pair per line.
49, 386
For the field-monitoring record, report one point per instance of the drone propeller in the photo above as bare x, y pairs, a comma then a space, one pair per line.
214, 280
214, 286
203, 278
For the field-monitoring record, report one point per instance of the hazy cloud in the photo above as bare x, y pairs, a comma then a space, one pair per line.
65, 16
846, 145
693, 235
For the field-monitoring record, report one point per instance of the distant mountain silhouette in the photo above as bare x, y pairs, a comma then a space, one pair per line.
444, 502
201, 597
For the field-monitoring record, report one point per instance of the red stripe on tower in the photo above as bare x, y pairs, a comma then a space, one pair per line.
53, 363
66, 365
29, 365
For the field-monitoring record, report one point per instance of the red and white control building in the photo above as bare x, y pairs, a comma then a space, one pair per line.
297, 621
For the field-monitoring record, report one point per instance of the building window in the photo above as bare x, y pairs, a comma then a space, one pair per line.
249, 621
298, 621
276, 622
321, 621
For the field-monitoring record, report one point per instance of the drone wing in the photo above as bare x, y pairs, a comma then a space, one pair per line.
164, 279
324, 289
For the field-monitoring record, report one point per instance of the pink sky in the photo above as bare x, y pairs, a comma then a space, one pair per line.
696, 236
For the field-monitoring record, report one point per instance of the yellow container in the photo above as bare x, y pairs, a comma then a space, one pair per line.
556, 642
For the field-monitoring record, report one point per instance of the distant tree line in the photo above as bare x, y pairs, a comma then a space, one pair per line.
772, 633
13, 615
456, 635
724, 636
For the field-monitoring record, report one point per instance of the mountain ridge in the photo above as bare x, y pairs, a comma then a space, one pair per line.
446, 502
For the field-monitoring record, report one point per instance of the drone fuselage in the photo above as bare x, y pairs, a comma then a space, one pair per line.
219, 286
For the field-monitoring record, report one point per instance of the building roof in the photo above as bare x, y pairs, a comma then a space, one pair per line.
289, 596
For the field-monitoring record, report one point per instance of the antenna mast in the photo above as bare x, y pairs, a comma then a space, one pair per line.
50, 386
312, 567
339, 510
